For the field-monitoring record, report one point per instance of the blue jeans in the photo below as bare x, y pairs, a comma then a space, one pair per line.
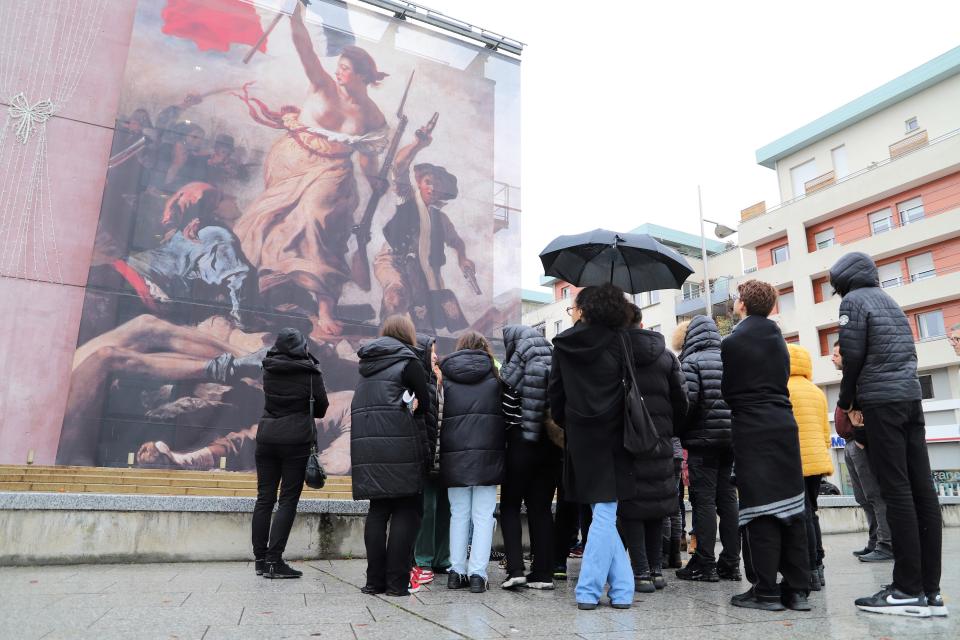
605, 560
471, 505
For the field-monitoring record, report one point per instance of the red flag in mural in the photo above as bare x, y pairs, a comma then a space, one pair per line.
213, 24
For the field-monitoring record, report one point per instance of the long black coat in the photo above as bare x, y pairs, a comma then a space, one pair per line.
288, 370
473, 440
879, 355
431, 419
707, 426
660, 382
526, 369
766, 441
388, 447
586, 399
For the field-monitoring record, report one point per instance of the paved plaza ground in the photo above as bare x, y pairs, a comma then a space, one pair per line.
221, 601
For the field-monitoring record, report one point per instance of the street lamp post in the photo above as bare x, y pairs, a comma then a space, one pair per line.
721, 231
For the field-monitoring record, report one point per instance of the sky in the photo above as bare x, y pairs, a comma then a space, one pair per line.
627, 108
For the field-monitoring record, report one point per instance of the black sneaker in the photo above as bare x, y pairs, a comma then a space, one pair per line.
259, 566
699, 571
862, 552
749, 600
658, 581
643, 584
877, 555
279, 570
478, 584
892, 601
822, 575
725, 572
935, 602
560, 572
815, 581
795, 601
372, 590
457, 580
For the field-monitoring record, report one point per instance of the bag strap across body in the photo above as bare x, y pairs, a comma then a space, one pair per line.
313, 422
629, 375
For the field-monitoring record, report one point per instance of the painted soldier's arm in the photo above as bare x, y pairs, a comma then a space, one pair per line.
455, 242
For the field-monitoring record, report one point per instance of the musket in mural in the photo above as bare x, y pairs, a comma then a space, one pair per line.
250, 171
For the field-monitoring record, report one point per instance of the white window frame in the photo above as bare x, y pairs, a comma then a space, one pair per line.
911, 124
557, 327
911, 217
826, 290
922, 329
873, 220
691, 290
773, 253
800, 175
565, 293
838, 155
825, 242
921, 273
890, 280
792, 306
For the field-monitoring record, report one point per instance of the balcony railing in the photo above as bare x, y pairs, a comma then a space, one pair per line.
758, 210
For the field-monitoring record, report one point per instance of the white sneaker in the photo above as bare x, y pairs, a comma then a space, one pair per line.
512, 582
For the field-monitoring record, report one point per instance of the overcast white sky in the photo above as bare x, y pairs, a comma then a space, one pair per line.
630, 105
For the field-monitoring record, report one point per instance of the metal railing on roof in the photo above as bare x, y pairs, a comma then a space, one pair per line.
855, 174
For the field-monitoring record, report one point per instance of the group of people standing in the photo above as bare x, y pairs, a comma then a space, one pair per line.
432, 439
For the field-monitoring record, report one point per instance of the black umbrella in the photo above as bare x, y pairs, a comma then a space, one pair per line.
634, 262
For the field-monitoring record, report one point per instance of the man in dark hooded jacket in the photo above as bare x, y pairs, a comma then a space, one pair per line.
880, 371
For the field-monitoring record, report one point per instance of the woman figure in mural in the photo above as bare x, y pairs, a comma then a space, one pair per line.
295, 233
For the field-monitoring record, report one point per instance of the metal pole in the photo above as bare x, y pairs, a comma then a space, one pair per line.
703, 256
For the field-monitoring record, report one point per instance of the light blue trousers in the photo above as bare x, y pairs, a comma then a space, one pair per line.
605, 560
476, 505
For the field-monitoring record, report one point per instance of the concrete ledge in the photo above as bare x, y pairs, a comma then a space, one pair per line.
54, 528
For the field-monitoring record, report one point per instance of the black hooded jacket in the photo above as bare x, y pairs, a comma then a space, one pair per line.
288, 371
707, 427
661, 383
474, 436
586, 399
526, 369
388, 445
879, 355
424, 351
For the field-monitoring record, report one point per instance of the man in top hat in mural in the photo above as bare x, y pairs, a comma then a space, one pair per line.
409, 265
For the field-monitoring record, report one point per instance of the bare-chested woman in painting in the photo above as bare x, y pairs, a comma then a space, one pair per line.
295, 233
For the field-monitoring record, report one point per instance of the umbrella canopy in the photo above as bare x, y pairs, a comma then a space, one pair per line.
634, 262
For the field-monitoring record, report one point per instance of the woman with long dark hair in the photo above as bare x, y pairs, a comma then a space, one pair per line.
389, 451
587, 399
291, 376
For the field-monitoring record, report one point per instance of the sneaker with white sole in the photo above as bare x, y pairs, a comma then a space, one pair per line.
512, 582
414, 586
534, 582
424, 576
892, 601
937, 607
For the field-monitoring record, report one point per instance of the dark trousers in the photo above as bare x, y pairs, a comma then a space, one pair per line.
712, 493
388, 560
814, 539
432, 548
897, 449
642, 539
570, 519
769, 546
676, 522
280, 466
531, 479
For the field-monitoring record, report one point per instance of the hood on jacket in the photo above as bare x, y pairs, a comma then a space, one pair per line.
382, 353
647, 345
514, 333
423, 350
854, 271
290, 354
702, 334
584, 343
468, 366
800, 362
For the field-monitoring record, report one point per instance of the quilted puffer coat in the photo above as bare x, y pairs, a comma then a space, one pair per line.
879, 355
527, 370
810, 410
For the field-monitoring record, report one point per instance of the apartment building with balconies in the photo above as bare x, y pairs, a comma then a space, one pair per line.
879, 175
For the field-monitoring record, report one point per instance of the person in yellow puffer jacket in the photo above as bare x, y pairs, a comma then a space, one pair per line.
810, 409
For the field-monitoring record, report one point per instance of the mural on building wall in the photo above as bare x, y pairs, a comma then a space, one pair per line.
274, 166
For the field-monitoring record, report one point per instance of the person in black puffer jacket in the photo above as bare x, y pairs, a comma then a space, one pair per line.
706, 435
533, 462
389, 451
880, 373
432, 549
661, 383
284, 435
472, 456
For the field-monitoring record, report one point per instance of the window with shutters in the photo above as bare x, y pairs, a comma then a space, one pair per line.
890, 275
825, 239
881, 221
921, 267
910, 211
930, 325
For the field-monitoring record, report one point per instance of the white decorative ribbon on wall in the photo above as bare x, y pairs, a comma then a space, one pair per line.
44, 51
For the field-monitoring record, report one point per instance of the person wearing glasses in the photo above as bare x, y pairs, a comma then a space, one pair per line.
954, 338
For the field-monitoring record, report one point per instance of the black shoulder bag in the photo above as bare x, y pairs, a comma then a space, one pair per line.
639, 433
316, 477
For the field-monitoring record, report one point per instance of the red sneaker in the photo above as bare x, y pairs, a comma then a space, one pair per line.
414, 582
424, 576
